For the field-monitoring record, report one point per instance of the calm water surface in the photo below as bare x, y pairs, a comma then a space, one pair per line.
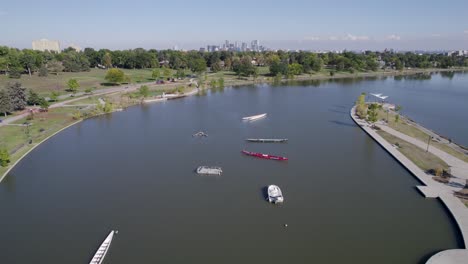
346, 199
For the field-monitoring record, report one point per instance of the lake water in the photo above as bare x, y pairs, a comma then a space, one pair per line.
346, 199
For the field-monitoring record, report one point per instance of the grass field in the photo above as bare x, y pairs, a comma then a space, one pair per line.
93, 79
16, 137
405, 127
424, 160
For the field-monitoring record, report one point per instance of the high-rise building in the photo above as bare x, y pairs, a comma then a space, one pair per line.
45, 44
244, 46
255, 45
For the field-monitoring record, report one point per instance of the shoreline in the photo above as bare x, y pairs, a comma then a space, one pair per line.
242, 82
432, 189
344, 75
34, 147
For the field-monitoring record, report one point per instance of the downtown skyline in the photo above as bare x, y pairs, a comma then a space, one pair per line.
306, 25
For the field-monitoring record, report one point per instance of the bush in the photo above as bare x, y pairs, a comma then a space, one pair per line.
76, 115
4, 157
43, 72
221, 82
15, 73
144, 91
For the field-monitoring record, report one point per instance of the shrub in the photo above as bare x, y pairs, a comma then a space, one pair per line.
76, 115
4, 157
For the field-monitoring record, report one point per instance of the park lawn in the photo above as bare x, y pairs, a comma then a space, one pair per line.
87, 100
422, 159
16, 140
92, 79
43, 125
404, 127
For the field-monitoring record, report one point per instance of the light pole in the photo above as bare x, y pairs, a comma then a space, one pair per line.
428, 143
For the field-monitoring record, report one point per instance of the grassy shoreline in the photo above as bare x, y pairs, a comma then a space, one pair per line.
57, 119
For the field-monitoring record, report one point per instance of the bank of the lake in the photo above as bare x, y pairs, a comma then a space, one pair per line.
230, 80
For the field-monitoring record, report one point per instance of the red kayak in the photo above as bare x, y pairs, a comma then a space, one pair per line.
263, 156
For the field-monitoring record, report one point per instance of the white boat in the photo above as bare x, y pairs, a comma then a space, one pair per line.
255, 117
205, 170
274, 194
102, 251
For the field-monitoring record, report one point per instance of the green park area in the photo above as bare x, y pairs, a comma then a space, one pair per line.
380, 115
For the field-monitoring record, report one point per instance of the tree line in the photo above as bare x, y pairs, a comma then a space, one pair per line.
15, 62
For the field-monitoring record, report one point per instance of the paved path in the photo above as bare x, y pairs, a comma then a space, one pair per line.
123, 88
432, 189
459, 168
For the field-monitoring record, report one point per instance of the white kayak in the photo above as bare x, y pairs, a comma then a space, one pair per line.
102, 251
274, 194
255, 117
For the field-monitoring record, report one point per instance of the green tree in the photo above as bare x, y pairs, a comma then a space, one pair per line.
199, 66
43, 72
115, 76
28, 60
33, 98
17, 95
213, 83
156, 74
295, 69
398, 65
15, 73
54, 96
77, 115
144, 91
55, 67
221, 82
361, 107
108, 107
372, 114
397, 118
107, 60
167, 73
216, 66
5, 104
276, 66
44, 104
4, 157
180, 73
73, 85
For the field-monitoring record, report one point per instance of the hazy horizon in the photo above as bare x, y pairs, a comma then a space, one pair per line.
307, 25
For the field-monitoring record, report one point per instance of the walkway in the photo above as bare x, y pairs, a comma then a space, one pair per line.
105, 91
459, 168
432, 189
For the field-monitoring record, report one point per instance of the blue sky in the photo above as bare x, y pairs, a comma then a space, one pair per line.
294, 24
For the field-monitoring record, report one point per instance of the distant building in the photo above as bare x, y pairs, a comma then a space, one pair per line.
255, 45
45, 44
